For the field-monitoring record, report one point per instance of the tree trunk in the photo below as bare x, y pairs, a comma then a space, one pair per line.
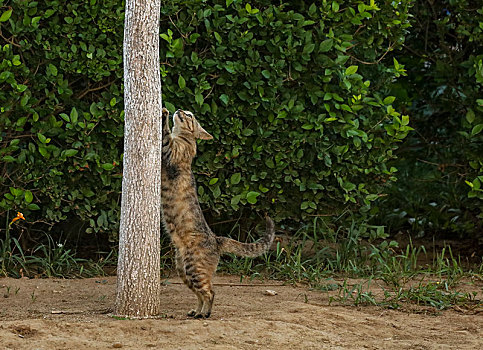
138, 272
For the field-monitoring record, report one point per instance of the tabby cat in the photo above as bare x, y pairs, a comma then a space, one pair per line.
198, 249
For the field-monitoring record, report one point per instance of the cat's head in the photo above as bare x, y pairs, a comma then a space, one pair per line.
184, 122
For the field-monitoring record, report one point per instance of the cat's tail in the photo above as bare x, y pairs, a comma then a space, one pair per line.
228, 245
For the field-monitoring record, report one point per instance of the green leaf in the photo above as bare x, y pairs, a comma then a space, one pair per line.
213, 181
225, 99
73, 115
43, 151
94, 109
309, 48
351, 70
9, 196
335, 6
41, 137
372, 197
476, 129
470, 116
235, 199
247, 132
312, 9
181, 82
476, 184
199, 98
16, 60
169, 106
65, 117
216, 191
252, 197
249, 9
235, 179
107, 166
405, 120
348, 186
35, 21
6, 16
88, 193
326, 45
52, 69
28, 196
32, 206
71, 152
17, 192
49, 13
388, 100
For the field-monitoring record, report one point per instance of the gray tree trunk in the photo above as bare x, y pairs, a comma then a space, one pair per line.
138, 272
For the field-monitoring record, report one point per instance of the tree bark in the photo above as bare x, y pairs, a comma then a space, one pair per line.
138, 272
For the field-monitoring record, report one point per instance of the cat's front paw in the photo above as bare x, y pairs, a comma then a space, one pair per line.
165, 113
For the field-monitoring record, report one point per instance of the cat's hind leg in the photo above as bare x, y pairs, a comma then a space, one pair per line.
181, 269
204, 291
208, 296
191, 276
196, 312
200, 281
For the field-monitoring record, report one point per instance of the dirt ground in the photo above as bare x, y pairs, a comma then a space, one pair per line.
74, 314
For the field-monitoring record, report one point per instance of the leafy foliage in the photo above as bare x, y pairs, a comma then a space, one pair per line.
61, 125
441, 164
303, 125
297, 127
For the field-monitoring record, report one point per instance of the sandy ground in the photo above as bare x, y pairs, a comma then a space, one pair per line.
74, 314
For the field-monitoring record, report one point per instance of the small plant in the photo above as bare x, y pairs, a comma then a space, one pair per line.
355, 294
54, 260
33, 297
432, 294
12, 257
9, 290
448, 267
120, 318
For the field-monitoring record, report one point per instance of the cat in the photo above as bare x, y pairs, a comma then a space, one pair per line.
197, 248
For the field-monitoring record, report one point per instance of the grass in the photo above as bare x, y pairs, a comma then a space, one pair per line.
391, 277
48, 260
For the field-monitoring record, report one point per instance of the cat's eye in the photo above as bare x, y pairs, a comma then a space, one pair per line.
188, 115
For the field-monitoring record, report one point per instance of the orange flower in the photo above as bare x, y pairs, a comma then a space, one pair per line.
18, 217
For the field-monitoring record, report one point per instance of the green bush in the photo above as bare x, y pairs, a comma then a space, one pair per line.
297, 128
294, 93
441, 165
61, 126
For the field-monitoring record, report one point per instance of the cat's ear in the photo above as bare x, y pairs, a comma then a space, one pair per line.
203, 134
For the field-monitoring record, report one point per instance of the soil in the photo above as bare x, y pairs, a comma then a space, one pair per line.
75, 314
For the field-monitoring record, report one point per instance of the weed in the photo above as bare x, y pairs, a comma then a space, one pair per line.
49, 260
8, 291
355, 294
33, 297
120, 318
54, 260
431, 294
448, 267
